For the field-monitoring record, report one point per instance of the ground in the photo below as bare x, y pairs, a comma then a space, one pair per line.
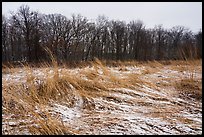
149, 98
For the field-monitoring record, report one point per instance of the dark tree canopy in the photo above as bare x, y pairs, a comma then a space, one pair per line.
27, 35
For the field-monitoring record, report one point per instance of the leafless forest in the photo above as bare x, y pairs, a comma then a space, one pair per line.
27, 35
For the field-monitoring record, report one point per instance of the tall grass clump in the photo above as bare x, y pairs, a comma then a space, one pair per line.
190, 86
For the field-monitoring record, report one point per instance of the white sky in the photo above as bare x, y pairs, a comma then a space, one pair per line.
188, 14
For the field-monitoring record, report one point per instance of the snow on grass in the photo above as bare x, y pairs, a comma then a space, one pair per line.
142, 110
13, 78
67, 113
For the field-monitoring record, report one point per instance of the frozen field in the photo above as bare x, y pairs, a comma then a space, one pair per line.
139, 100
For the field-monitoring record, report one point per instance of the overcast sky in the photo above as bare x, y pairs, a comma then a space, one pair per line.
188, 14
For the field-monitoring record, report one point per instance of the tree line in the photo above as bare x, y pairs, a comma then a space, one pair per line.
27, 36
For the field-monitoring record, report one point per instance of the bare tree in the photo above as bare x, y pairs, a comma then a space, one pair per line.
5, 51
26, 33
198, 38
79, 25
135, 30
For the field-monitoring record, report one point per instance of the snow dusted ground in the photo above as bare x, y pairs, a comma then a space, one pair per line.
149, 110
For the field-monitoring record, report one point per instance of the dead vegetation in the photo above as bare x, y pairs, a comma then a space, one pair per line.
190, 88
33, 100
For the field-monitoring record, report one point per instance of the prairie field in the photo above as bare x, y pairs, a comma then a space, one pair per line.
119, 98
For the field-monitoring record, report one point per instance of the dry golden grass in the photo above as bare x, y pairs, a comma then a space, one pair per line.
189, 88
64, 88
47, 125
